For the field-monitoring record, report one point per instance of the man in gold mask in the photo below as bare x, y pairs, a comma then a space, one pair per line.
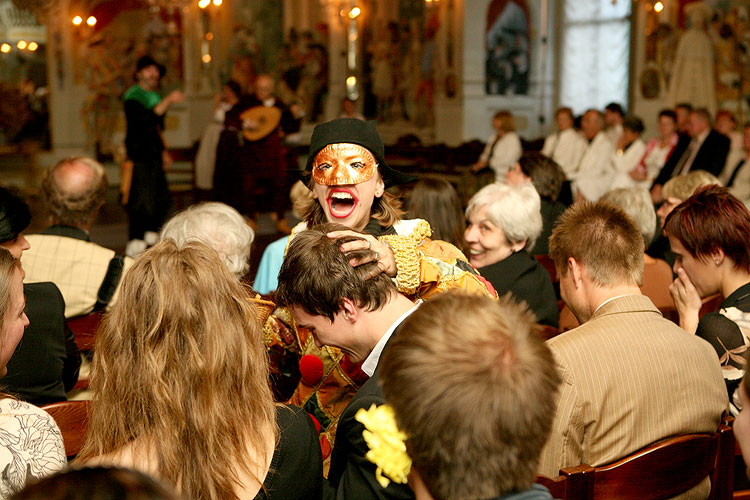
348, 176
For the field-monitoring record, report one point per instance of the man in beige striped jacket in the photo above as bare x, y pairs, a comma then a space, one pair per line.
630, 377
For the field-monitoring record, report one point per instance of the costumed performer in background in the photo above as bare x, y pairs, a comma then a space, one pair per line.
148, 200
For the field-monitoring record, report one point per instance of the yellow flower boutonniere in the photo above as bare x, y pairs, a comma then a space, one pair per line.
386, 443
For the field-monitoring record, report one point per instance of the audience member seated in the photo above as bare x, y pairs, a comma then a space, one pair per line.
709, 234
219, 226
658, 150
707, 150
736, 176
180, 385
436, 201
625, 382
630, 150
614, 121
45, 365
32, 446
503, 147
266, 279
503, 223
682, 111
657, 274
354, 309
100, 483
726, 124
566, 145
88, 275
676, 190
473, 387
547, 178
592, 176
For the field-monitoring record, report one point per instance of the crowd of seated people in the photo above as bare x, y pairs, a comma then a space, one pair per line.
426, 329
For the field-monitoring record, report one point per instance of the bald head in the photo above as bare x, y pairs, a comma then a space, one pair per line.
74, 177
592, 123
74, 190
264, 86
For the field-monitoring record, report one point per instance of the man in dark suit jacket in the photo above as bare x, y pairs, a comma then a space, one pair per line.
44, 366
704, 149
343, 307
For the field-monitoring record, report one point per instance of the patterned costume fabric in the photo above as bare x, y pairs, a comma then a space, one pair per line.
327, 379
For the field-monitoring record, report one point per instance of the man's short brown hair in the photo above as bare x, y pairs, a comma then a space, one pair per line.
317, 276
473, 386
603, 238
76, 209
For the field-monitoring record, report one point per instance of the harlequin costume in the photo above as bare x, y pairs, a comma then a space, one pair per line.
327, 379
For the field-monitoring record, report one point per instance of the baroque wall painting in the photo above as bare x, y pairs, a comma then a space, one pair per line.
712, 34
507, 48
106, 56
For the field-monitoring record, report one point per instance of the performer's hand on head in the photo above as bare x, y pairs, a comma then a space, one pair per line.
377, 251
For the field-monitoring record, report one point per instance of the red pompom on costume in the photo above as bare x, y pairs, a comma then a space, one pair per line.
311, 369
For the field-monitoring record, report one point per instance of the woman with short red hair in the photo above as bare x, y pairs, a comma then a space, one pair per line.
709, 234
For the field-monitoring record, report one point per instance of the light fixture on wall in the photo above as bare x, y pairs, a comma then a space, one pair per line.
658, 7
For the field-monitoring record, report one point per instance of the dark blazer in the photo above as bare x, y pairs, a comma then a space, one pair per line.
527, 280
352, 476
45, 364
710, 157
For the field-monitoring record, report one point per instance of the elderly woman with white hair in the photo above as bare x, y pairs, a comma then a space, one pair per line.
503, 222
217, 225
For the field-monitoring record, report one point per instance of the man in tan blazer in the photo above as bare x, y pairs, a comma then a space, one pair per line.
630, 377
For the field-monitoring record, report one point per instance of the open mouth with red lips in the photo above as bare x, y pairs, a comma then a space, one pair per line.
341, 203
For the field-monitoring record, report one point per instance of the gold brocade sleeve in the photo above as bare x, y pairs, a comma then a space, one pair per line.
425, 267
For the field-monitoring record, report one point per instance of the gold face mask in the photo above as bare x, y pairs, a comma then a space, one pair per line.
342, 164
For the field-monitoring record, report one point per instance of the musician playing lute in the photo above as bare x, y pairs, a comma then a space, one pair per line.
252, 161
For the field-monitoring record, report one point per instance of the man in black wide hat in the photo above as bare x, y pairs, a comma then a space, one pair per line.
148, 199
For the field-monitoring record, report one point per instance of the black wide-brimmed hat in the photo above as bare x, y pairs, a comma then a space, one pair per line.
354, 131
146, 61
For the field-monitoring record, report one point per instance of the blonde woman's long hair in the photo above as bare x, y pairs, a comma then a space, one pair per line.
180, 362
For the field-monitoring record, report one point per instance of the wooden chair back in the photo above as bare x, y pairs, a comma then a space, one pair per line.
84, 329
670, 467
72, 418
659, 471
549, 265
573, 483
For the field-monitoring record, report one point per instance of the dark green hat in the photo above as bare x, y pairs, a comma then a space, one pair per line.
354, 131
